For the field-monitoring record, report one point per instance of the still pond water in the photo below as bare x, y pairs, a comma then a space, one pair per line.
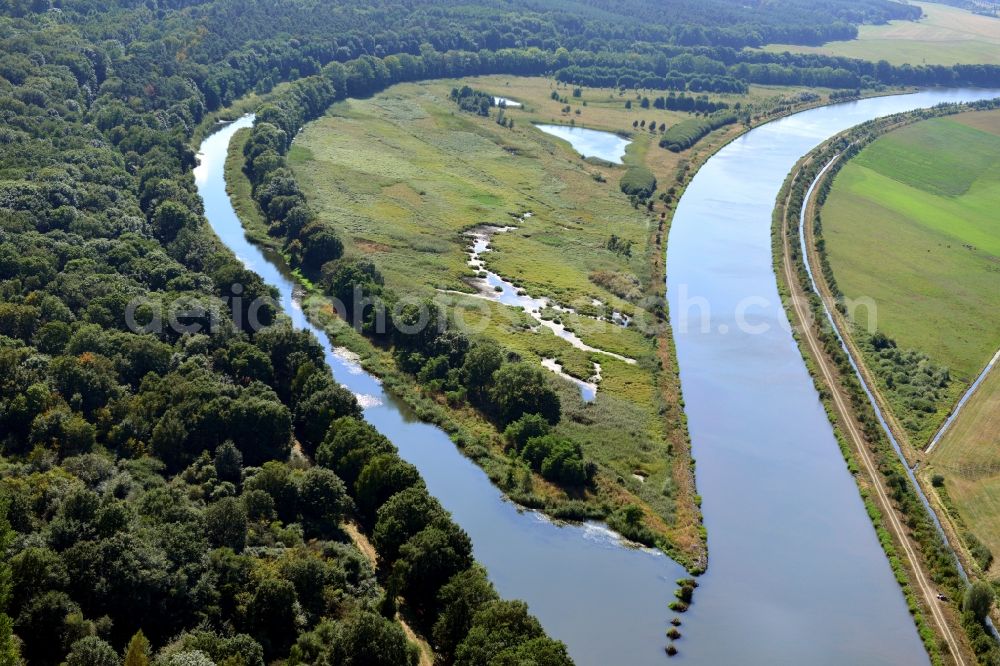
590, 143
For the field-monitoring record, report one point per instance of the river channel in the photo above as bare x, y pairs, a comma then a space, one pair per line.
607, 601
796, 574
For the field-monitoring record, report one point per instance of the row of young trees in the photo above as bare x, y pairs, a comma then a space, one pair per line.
688, 132
628, 78
727, 70
691, 104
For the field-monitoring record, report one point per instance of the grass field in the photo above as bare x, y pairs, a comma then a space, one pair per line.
945, 36
968, 457
910, 223
413, 173
405, 173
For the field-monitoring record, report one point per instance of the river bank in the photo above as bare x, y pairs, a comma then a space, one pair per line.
843, 380
474, 436
759, 430
685, 534
835, 396
938, 530
708, 603
382, 162
605, 599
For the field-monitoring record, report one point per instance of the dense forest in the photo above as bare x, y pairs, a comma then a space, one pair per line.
178, 494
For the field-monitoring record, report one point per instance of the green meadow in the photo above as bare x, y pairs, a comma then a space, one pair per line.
412, 173
910, 224
404, 174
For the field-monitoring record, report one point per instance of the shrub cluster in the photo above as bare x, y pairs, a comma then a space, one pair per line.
638, 181
473, 101
691, 104
686, 133
557, 459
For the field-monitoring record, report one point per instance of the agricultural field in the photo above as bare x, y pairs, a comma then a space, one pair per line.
945, 36
968, 460
910, 224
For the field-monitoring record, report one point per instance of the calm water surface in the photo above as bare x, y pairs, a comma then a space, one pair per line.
590, 143
509, 103
606, 601
796, 574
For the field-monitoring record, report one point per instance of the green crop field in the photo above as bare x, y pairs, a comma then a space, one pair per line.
911, 224
945, 36
968, 457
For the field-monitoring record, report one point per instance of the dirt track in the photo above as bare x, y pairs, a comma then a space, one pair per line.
364, 545
851, 428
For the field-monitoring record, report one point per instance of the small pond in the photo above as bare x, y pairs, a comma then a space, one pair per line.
509, 103
590, 143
